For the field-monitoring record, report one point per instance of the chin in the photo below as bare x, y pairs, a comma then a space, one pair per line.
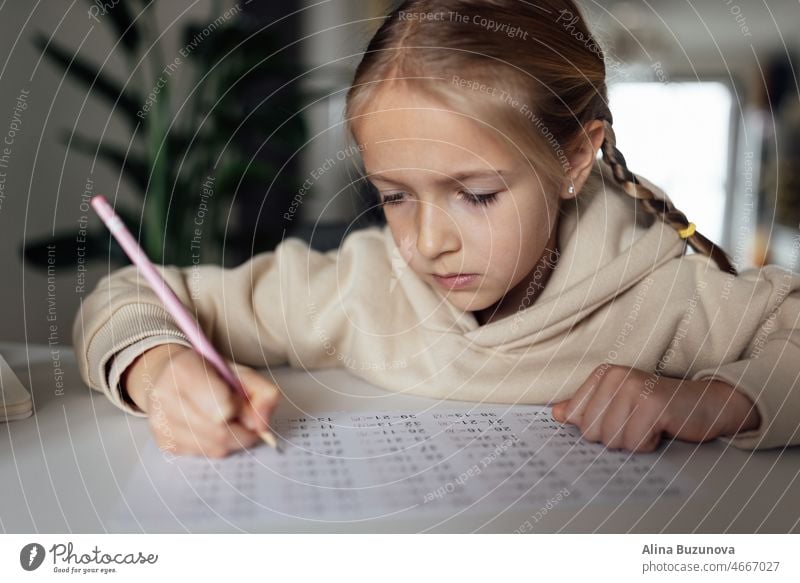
466, 303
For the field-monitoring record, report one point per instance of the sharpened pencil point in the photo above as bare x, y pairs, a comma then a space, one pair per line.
270, 440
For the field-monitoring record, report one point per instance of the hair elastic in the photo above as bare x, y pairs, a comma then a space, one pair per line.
686, 232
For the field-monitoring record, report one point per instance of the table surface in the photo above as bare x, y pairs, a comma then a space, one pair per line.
65, 468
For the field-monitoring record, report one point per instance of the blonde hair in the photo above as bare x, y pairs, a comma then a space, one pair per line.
540, 60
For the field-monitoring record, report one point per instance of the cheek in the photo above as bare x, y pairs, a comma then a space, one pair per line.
519, 235
507, 253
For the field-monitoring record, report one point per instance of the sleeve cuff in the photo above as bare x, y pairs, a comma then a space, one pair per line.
138, 327
772, 382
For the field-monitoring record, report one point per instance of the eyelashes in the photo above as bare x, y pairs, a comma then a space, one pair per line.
479, 199
471, 198
390, 200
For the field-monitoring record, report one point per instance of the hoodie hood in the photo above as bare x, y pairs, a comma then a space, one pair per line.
607, 244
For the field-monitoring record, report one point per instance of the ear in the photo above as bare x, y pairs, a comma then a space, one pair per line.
582, 156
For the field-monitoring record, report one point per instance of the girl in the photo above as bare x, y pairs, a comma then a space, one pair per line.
514, 267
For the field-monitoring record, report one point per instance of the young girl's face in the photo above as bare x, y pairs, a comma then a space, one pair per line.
458, 200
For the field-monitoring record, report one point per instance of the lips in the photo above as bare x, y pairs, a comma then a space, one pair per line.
455, 280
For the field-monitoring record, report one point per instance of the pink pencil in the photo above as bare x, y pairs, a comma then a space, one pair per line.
183, 318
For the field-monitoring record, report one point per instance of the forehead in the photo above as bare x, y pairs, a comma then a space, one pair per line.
406, 129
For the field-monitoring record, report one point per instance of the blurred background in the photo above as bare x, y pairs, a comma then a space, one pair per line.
219, 123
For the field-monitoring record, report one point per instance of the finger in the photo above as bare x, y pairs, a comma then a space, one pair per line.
643, 431
240, 437
616, 419
214, 440
264, 397
557, 410
573, 413
648, 443
594, 412
181, 426
226, 437
173, 433
208, 394
190, 421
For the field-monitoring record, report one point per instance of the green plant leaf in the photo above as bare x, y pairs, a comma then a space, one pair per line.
124, 24
133, 167
158, 189
88, 74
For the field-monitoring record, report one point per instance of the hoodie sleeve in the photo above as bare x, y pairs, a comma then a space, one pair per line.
769, 370
280, 307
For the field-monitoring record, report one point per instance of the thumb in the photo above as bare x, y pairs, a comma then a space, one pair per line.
558, 410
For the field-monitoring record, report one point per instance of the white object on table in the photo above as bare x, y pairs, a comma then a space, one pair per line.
15, 400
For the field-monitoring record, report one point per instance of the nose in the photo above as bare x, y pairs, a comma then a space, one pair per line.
437, 232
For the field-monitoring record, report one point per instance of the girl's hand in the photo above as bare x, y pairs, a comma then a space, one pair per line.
627, 408
191, 410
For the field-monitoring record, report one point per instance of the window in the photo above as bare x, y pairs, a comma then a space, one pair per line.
677, 136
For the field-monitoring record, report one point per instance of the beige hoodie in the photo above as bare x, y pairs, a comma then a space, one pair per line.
622, 292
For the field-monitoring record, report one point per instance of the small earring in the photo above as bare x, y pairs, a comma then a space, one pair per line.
571, 189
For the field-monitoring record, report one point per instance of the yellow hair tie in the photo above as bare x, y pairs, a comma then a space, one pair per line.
687, 232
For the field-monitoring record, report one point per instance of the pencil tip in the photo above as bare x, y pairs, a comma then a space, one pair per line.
270, 440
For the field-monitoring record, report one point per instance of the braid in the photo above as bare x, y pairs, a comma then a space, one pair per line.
656, 206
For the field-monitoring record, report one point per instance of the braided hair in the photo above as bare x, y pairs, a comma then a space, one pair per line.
659, 207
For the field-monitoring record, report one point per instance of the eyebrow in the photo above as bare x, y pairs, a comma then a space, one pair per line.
453, 177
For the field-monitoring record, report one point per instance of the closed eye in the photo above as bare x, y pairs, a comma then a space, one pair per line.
473, 198
479, 199
391, 199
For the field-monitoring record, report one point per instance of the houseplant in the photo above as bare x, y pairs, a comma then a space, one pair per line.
177, 146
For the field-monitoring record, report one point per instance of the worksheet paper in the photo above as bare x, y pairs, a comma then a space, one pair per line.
367, 466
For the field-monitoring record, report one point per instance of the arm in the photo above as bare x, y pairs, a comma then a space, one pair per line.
746, 393
768, 373
276, 308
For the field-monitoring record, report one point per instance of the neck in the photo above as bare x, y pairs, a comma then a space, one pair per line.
525, 293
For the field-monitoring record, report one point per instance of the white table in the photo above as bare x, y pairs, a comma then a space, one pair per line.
64, 469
